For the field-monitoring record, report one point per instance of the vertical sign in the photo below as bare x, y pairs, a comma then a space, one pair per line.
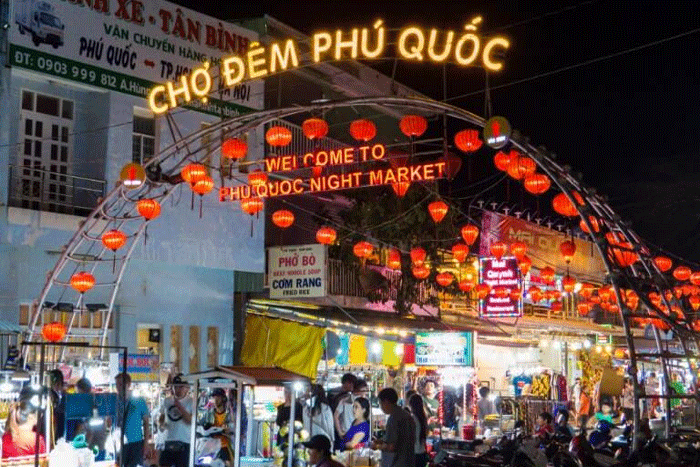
297, 271
503, 276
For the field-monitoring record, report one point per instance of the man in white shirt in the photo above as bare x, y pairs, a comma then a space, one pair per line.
177, 413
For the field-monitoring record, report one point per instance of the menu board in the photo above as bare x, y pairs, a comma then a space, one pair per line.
445, 349
502, 276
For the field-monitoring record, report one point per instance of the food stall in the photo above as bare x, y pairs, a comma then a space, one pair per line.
240, 379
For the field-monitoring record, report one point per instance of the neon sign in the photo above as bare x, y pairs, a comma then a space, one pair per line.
501, 275
463, 48
422, 172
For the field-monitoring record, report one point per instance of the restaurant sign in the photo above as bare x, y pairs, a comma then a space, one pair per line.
445, 349
297, 271
503, 277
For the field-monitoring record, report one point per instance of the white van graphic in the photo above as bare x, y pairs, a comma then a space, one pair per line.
38, 18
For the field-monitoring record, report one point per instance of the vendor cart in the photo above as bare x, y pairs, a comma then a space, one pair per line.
238, 378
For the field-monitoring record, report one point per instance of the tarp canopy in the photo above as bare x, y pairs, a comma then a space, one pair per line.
284, 344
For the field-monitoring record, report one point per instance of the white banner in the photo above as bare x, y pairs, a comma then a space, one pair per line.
127, 45
297, 271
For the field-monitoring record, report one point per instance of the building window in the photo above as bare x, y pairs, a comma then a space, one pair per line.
44, 177
143, 137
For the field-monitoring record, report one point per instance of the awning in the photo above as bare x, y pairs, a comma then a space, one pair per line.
257, 376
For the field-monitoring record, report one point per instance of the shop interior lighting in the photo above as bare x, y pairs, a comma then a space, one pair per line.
376, 348
6, 385
35, 383
298, 386
399, 349
96, 420
608, 348
20, 376
381, 331
598, 349
587, 344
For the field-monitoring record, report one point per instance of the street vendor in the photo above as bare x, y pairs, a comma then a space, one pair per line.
431, 403
218, 416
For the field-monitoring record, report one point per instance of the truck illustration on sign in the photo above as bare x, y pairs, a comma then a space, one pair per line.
38, 18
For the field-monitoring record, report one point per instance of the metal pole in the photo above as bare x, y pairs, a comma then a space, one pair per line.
667, 382
249, 433
38, 409
290, 425
239, 408
193, 422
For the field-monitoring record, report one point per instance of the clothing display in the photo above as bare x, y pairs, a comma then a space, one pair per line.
519, 382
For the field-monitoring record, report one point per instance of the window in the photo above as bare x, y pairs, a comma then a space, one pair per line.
43, 180
144, 137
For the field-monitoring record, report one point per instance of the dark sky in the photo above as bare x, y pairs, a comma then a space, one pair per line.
630, 124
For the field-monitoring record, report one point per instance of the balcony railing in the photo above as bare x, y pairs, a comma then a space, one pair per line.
43, 190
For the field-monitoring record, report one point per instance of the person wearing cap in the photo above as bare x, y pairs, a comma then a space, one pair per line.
219, 416
176, 411
319, 448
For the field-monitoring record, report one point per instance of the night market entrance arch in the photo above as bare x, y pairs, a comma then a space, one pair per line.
630, 263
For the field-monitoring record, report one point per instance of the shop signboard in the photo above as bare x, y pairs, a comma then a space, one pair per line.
143, 368
297, 271
128, 46
542, 245
501, 275
445, 349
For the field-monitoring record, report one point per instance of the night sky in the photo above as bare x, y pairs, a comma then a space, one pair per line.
630, 124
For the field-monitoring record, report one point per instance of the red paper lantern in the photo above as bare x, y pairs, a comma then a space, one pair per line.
594, 225
278, 136
568, 250
521, 166
82, 281
413, 125
584, 308
394, 259
466, 285
257, 178
420, 271
518, 249
53, 332
438, 210
498, 249
623, 254
452, 165
252, 206
417, 255
234, 148
444, 279
113, 239
314, 128
525, 263
468, 140
694, 301
605, 293
326, 235
547, 274
400, 188
283, 218
587, 290
482, 291
660, 324
363, 130
682, 273
632, 300
663, 263
460, 251
362, 249
502, 160
537, 184
148, 208
192, 173
535, 293
695, 278
515, 294
568, 283
203, 186
469, 233
563, 206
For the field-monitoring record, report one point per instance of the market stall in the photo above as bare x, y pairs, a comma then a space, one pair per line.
245, 379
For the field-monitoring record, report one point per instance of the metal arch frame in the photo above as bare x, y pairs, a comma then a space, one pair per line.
641, 273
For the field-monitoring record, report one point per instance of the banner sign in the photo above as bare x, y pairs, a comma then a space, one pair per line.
445, 348
502, 275
143, 368
542, 245
128, 46
297, 271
